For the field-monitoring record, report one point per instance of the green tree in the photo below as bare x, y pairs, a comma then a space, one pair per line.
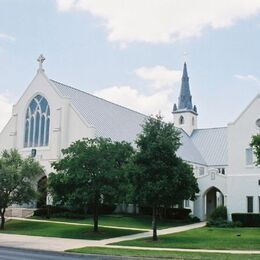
17, 180
90, 173
160, 177
255, 143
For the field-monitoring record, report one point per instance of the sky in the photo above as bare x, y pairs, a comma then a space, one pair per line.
131, 52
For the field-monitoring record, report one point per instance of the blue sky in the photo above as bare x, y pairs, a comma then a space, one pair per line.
132, 52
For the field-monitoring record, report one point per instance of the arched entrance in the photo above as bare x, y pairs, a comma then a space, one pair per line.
213, 198
42, 192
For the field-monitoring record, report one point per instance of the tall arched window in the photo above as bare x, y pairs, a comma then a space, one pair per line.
37, 123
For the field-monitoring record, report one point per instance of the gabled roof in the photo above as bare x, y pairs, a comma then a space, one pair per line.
110, 120
212, 143
205, 146
188, 151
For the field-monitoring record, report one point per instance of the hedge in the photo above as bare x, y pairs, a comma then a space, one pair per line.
169, 213
247, 219
62, 212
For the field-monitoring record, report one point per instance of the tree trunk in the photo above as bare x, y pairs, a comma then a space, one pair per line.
154, 224
2, 219
134, 208
95, 216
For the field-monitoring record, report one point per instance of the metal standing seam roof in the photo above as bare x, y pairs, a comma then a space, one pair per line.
212, 144
110, 120
205, 146
188, 151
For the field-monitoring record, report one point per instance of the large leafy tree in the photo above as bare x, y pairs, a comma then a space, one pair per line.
90, 173
17, 180
255, 143
159, 177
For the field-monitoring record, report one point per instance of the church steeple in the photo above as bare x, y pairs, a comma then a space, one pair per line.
185, 114
185, 99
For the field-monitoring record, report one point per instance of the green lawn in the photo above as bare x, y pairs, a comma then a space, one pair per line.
207, 238
144, 222
161, 254
61, 230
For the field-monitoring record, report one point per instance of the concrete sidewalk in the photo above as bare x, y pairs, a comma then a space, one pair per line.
62, 244
43, 243
150, 233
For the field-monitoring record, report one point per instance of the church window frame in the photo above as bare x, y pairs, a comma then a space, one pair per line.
37, 123
250, 204
181, 120
249, 156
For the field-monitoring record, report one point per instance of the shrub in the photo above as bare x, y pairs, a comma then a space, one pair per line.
44, 211
169, 213
219, 213
103, 209
70, 215
62, 212
194, 219
220, 223
247, 219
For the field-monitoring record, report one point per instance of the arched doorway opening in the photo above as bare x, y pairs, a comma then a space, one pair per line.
42, 192
213, 198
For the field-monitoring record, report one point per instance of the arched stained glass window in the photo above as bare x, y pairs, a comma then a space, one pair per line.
37, 123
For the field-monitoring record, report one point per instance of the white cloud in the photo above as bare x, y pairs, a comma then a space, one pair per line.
162, 21
5, 110
130, 97
65, 5
163, 92
7, 37
248, 77
159, 76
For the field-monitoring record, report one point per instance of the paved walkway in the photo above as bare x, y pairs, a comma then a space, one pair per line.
62, 244
149, 234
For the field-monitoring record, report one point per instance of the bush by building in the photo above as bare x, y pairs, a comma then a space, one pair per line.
247, 219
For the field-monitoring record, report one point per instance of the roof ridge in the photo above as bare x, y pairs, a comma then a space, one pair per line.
210, 128
55, 81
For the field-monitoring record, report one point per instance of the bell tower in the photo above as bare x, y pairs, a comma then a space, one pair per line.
185, 114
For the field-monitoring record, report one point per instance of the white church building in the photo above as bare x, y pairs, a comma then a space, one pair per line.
50, 115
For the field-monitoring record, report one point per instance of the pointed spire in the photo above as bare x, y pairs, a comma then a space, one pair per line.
185, 99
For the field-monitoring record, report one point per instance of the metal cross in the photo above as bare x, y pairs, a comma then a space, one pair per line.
41, 59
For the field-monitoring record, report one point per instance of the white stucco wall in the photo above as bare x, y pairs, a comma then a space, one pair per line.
190, 121
66, 125
242, 179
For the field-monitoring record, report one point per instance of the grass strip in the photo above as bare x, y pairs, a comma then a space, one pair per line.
160, 254
62, 230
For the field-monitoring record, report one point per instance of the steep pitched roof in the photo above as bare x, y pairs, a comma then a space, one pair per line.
185, 101
110, 120
188, 151
205, 146
212, 143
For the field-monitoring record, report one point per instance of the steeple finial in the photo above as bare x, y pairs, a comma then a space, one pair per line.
41, 59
